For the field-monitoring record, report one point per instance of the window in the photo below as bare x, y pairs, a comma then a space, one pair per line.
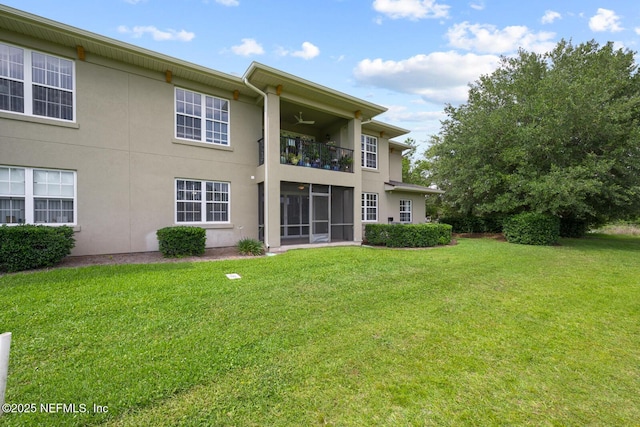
202, 201
369, 207
36, 84
37, 196
192, 109
405, 211
369, 145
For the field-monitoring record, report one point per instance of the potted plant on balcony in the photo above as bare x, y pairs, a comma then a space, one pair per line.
293, 159
345, 163
314, 156
325, 158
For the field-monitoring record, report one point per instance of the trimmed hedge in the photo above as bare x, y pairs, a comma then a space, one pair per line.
407, 235
531, 228
181, 241
23, 247
475, 224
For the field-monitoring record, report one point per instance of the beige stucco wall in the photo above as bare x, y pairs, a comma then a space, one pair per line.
393, 206
123, 149
395, 164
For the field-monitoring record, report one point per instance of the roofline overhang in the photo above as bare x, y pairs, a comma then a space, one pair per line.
410, 188
384, 129
272, 77
400, 145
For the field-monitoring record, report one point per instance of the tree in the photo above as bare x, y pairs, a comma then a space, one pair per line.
414, 171
556, 133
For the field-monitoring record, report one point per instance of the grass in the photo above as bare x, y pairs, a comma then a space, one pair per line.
482, 333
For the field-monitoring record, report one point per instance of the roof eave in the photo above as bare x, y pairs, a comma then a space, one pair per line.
388, 186
269, 76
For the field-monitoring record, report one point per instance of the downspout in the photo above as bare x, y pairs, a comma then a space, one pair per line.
266, 162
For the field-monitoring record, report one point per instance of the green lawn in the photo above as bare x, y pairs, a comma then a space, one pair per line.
481, 333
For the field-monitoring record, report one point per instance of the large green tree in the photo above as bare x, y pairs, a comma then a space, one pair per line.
554, 133
414, 171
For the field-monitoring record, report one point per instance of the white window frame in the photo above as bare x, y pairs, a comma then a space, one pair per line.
369, 146
406, 210
201, 201
369, 206
53, 78
30, 195
200, 111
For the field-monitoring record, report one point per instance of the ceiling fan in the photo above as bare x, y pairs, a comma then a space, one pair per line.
303, 122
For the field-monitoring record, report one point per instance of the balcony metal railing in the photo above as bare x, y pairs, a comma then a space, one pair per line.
301, 152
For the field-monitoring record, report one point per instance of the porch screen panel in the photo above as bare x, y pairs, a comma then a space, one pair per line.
320, 215
342, 214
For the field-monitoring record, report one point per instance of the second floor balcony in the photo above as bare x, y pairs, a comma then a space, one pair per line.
312, 154
322, 155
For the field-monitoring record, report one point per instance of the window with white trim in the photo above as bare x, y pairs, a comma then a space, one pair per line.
202, 117
369, 207
369, 146
202, 201
405, 211
37, 196
36, 84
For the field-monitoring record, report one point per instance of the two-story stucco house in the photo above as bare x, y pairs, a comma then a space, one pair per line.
118, 142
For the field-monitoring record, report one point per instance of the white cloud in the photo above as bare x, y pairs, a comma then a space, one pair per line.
400, 113
411, 9
247, 48
228, 2
158, 35
489, 39
550, 16
436, 77
637, 30
605, 20
309, 51
134, 1
477, 6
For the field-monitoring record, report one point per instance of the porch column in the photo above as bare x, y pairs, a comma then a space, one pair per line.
354, 132
272, 176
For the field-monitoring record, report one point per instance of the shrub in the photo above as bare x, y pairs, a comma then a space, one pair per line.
376, 234
531, 228
475, 224
408, 235
23, 247
248, 246
181, 241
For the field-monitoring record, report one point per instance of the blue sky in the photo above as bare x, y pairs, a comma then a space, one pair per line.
411, 56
